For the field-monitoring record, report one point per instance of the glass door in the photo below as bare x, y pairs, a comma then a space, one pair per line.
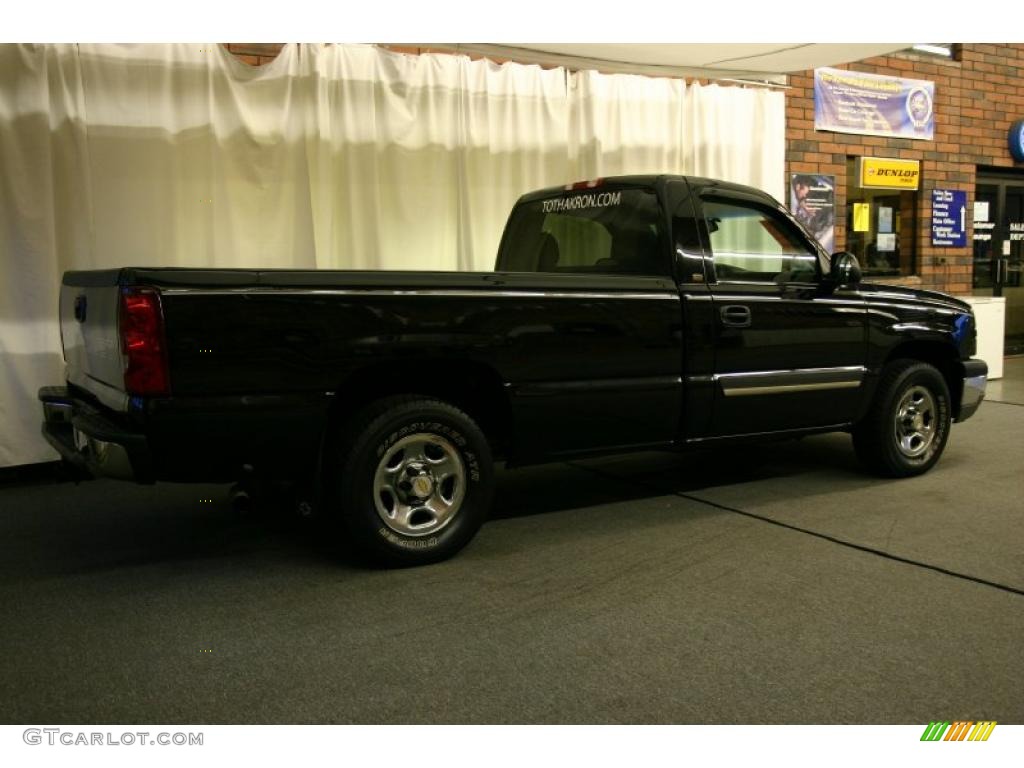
986, 207
999, 249
1009, 279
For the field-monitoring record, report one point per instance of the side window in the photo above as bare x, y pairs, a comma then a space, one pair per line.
754, 244
588, 231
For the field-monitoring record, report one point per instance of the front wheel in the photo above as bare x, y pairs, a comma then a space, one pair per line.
907, 427
414, 481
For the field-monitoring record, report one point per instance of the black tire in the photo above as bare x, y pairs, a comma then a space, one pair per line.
906, 429
417, 435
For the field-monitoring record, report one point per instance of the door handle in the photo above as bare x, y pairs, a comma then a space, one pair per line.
1002, 267
735, 316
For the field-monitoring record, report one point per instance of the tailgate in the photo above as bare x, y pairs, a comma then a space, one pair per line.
89, 305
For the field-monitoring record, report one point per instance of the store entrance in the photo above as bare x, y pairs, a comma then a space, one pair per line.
999, 247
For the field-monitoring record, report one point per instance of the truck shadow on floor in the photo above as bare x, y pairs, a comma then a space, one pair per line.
63, 528
586, 483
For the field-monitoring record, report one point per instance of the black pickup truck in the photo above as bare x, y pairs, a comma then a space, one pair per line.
630, 313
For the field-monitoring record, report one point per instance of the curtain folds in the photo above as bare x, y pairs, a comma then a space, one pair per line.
332, 156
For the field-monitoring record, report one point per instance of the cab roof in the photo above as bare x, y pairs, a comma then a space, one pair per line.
642, 180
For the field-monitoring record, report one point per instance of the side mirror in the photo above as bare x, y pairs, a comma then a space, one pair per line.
845, 269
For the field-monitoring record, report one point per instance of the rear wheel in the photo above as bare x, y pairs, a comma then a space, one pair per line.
411, 481
907, 427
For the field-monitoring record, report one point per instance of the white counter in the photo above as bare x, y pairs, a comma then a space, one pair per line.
990, 312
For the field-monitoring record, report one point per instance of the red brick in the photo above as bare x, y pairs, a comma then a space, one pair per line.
255, 49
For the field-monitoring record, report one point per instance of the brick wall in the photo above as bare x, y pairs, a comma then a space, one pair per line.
255, 54
976, 100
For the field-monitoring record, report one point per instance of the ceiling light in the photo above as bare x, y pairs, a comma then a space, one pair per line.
934, 50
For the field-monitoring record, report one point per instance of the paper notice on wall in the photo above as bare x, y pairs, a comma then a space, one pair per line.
1006, 247
887, 243
861, 217
981, 210
884, 219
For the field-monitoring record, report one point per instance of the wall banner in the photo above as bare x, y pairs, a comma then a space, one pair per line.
873, 105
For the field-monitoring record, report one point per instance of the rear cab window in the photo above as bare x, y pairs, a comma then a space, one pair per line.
588, 231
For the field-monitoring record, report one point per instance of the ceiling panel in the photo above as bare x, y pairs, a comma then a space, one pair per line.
752, 61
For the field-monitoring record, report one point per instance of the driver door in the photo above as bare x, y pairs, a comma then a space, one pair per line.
789, 353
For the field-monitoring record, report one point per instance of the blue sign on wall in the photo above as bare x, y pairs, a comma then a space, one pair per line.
949, 217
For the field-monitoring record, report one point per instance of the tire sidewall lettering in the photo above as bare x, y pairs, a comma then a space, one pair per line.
405, 542
432, 427
472, 465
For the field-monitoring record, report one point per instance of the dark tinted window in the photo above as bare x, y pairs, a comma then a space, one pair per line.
754, 244
599, 231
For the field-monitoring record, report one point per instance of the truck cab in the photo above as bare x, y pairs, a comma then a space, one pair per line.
776, 335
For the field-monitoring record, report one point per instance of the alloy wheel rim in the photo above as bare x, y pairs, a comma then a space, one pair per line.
419, 485
916, 422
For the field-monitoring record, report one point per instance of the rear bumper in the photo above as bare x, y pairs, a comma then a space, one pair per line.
186, 439
975, 381
91, 442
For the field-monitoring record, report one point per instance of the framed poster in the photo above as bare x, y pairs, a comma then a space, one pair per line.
812, 200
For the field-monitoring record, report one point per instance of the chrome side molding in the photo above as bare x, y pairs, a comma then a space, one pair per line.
785, 382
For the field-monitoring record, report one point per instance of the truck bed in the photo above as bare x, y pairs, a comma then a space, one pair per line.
258, 358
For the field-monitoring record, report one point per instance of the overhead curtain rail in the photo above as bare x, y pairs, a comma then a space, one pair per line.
761, 64
527, 55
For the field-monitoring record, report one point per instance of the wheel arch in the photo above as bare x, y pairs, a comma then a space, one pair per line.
473, 387
943, 356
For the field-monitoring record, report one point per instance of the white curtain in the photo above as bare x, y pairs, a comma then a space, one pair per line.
335, 156
737, 134
415, 161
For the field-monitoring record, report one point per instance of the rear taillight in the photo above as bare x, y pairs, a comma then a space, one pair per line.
143, 343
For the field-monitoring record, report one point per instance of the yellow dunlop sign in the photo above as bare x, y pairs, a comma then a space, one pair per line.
885, 173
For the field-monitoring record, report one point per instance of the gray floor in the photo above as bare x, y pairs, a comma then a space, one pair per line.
775, 584
1010, 388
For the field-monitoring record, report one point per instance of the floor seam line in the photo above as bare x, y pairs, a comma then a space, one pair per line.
819, 535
